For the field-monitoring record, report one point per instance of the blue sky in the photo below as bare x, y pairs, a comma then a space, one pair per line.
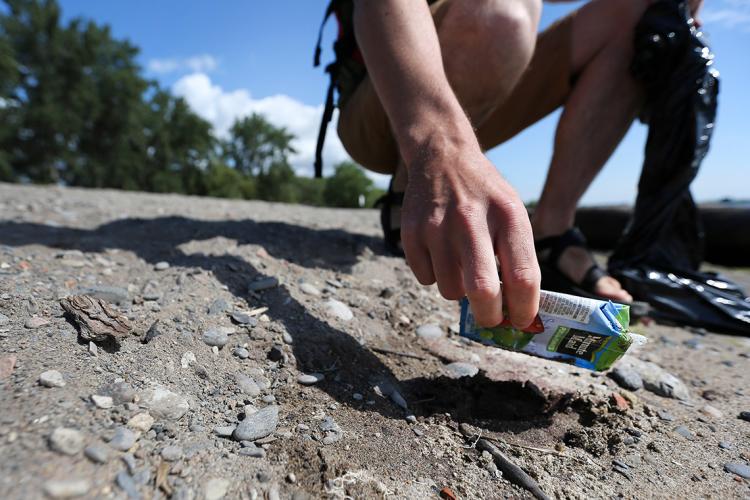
234, 57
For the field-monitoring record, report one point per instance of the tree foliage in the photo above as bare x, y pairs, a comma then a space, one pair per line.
75, 109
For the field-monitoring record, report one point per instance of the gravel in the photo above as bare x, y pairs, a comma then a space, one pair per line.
171, 453
141, 422
224, 430
66, 441
97, 453
218, 306
67, 488
217, 336
215, 488
337, 309
163, 403
627, 378
309, 289
241, 353
51, 378
123, 439
430, 331
102, 402
310, 378
247, 385
258, 425
244, 318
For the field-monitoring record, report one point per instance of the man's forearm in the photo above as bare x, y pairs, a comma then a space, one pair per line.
402, 52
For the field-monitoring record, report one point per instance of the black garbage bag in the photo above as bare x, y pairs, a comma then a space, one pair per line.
658, 257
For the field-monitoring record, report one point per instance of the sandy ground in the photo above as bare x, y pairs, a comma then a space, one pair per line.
301, 273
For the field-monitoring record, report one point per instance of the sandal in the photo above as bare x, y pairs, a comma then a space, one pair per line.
390, 215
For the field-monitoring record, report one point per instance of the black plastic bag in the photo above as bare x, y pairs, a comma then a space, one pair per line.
658, 256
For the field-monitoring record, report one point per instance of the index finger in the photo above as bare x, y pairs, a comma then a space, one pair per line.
520, 272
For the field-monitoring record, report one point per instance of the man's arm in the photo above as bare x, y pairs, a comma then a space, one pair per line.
458, 211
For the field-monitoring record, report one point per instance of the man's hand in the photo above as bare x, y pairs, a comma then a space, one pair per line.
458, 214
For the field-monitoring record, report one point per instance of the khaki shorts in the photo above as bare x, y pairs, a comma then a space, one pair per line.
366, 133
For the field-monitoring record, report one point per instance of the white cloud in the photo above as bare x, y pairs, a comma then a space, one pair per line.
222, 107
197, 63
731, 14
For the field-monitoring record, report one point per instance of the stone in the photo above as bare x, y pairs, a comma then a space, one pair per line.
187, 359
430, 331
93, 350
332, 431
120, 392
124, 439
247, 385
111, 294
35, 322
740, 469
241, 353
685, 432
150, 291
287, 337
163, 403
66, 488
103, 402
253, 451
218, 306
66, 441
51, 378
337, 309
258, 425
244, 318
725, 445
627, 378
263, 284
224, 430
161, 266
97, 453
657, 380
171, 453
215, 488
217, 336
7, 364
712, 412
153, 331
459, 369
127, 484
665, 415
310, 378
141, 422
744, 415
276, 353
268, 398
619, 402
309, 289
4, 320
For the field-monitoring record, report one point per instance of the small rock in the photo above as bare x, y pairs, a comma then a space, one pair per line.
619, 402
337, 309
215, 488
253, 451
685, 432
725, 445
737, 468
459, 369
103, 402
120, 392
331, 430
150, 291
657, 380
626, 378
66, 441
187, 358
51, 378
4, 320
127, 484
244, 318
241, 353
430, 331
263, 284
161, 266
217, 336
35, 322
141, 422
712, 412
268, 398
171, 453
258, 425
247, 385
224, 430
164, 403
67, 488
124, 439
357, 396
218, 306
291, 477
97, 453
93, 350
111, 294
411, 418
710, 395
310, 378
744, 415
153, 331
276, 353
665, 415
287, 338
7, 364
308, 289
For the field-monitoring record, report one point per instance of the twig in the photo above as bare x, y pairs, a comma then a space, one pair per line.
542, 450
384, 350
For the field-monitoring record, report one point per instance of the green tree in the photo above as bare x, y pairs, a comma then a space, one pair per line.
226, 182
255, 145
345, 187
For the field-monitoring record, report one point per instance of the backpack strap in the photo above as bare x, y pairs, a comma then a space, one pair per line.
325, 120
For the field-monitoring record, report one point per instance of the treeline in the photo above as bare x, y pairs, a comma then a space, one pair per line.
75, 109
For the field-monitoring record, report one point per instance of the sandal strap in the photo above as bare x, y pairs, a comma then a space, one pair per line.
556, 245
594, 274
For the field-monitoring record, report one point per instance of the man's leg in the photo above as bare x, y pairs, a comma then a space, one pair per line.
596, 116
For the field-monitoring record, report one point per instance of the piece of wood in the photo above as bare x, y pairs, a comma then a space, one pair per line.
96, 319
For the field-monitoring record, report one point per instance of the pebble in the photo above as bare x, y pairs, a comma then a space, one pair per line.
93, 350
217, 336
66, 441
430, 331
287, 337
685, 432
253, 451
161, 266
460, 369
127, 484
103, 402
120, 392
111, 294
258, 425
269, 398
35, 322
151, 291
215, 488
52, 378
66, 488
310, 378
153, 331
247, 385
187, 358
241, 353
737, 468
163, 403
712, 412
725, 445
357, 396
659, 381
331, 429
4, 320
218, 306
263, 284
411, 418
124, 439
97, 453
244, 318
744, 415
141, 421
224, 430
337, 309
171, 453
627, 378
309, 289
